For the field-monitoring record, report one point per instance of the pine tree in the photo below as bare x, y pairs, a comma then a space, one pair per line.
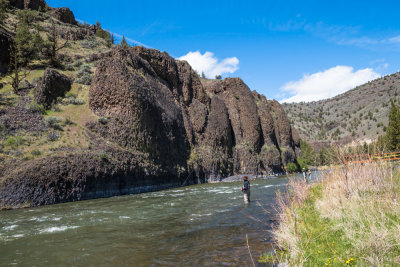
393, 129
124, 43
112, 39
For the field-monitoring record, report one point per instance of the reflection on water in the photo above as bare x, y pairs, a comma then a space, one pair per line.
202, 225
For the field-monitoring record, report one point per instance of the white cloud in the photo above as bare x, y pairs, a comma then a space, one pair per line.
326, 84
209, 64
392, 40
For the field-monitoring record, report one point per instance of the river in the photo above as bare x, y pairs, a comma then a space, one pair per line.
200, 225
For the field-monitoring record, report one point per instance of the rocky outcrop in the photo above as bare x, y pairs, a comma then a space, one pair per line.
146, 117
52, 85
29, 4
64, 14
230, 130
5, 47
82, 175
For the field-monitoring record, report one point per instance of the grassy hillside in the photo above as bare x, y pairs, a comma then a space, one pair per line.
26, 133
360, 114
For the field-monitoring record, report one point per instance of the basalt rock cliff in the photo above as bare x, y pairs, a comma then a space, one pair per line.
159, 105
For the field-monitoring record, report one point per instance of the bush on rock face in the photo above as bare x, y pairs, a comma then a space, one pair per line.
291, 167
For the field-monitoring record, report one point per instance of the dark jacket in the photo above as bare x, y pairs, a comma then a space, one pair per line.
246, 185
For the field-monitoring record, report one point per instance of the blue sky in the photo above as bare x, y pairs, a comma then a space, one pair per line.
294, 50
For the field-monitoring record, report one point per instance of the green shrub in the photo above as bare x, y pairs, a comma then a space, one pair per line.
54, 123
14, 141
69, 67
103, 120
84, 75
77, 63
27, 16
36, 152
89, 43
53, 136
78, 102
103, 156
291, 167
35, 107
68, 121
70, 94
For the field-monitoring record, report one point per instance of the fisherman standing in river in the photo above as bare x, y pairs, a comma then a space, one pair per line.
304, 175
246, 189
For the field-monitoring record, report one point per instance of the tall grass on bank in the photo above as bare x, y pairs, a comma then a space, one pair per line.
350, 217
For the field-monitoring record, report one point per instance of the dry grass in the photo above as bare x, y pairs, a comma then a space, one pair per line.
351, 217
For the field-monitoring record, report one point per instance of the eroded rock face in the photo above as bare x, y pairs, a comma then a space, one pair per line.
64, 14
82, 175
219, 127
52, 85
29, 4
126, 88
5, 46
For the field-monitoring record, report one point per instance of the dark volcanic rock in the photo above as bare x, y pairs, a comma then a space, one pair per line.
126, 88
52, 85
80, 176
178, 75
29, 4
21, 117
5, 47
64, 14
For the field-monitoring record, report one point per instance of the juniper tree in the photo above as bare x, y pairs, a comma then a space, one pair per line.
124, 43
53, 45
15, 68
393, 129
3, 10
28, 44
110, 41
24, 49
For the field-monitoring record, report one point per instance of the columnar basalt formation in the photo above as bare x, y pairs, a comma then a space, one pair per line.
219, 128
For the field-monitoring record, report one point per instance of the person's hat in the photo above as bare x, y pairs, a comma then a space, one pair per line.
245, 178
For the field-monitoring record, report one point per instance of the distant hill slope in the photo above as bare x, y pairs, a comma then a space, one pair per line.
360, 114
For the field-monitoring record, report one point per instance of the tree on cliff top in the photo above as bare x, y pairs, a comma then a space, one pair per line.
124, 43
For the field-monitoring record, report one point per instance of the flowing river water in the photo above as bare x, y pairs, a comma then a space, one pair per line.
200, 225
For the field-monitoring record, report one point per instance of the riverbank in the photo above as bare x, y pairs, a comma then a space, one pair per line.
350, 217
